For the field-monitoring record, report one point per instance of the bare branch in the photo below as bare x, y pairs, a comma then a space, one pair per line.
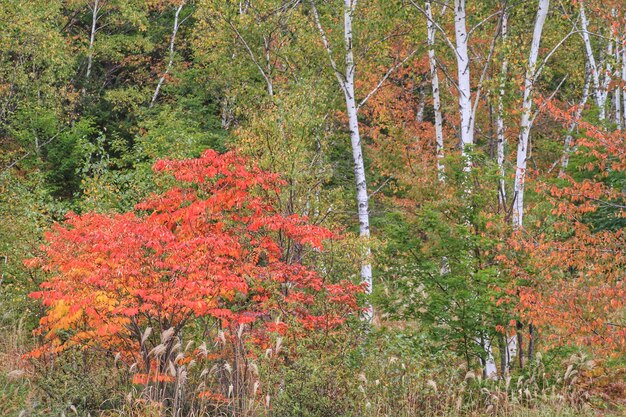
543, 105
171, 56
27, 154
340, 77
270, 88
482, 22
382, 81
436, 25
380, 188
552, 52
484, 73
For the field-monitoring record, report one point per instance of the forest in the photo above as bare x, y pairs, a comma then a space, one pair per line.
312, 208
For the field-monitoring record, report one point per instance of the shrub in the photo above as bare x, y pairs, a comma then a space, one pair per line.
210, 258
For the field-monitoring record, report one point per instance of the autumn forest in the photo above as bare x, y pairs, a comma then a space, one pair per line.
312, 208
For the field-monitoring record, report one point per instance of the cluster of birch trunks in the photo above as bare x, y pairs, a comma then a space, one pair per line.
469, 89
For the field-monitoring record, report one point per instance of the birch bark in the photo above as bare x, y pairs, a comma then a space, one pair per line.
467, 132
421, 103
171, 55
598, 90
92, 38
434, 79
525, 124
511, 342
490, 369
608, 77
463, 74
570, 132
623, 87
501, 139
617, 93
345, 80
357, 149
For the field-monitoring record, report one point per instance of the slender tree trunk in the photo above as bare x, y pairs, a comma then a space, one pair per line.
490, 370
467, 132
617, 93
520, 346
522, 147
487, 361
511, 351
525, 125
421, 103
504, 355
268, 65
345, 80
510, 342
434, 79
597, 89
463, 73
531, 342
265, 73
617, 97
92, 39
357, 148
361, 183
608, 77
501, 139
171, 56
623, 86
572, 127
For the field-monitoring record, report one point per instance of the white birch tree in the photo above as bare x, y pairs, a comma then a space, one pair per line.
463, 78
525, 124
434, 79
171, 53
346, 81
95, 9
500, 126
573, 125
617, 92
599, 88
623, 89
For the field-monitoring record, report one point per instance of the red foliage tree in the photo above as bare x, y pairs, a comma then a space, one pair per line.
212, 247
574, 260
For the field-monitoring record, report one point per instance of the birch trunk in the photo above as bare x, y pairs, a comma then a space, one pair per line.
511, 352
491, 370
597, 87
92, 38
531, 342
617, 97
572, 127
501, 139
617, 93
421, 103
171, 56
522, 147
623, 86
608, 76
467, 134
463, 74
511, 342
525, 125
345, 80
434, 79
357, 149
520, 345
618, 107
